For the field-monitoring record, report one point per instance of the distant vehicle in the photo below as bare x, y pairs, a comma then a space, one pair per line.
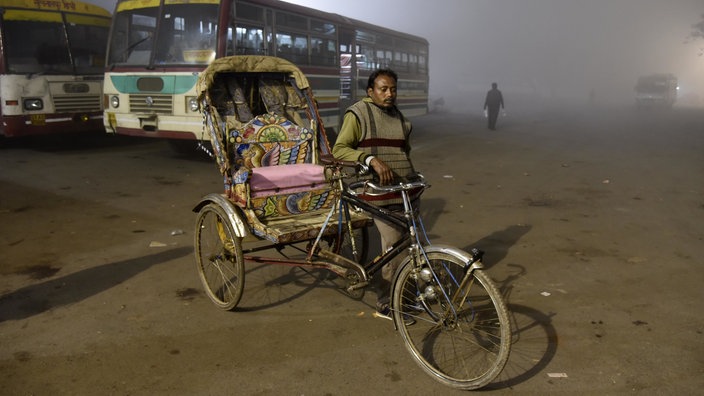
157, 49
52, 57
656, 90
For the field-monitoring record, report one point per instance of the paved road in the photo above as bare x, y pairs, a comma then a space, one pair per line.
592, 224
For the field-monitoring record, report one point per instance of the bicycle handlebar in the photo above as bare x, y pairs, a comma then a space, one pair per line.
377, 189
359, 168
362, 169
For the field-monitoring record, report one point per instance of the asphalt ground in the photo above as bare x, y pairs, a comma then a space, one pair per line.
591, 219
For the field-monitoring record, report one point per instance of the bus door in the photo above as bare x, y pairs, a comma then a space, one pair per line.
348, 70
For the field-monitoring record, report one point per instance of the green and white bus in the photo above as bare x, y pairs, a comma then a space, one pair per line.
157, 48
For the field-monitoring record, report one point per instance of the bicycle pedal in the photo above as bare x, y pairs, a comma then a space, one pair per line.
357, 286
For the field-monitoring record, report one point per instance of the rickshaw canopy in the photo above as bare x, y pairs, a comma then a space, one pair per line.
249, 64
259, 111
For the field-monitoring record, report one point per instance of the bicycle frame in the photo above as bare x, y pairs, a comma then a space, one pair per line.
321, 258
336, 263
416, 249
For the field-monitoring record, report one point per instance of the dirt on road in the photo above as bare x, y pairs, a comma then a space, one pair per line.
592, 220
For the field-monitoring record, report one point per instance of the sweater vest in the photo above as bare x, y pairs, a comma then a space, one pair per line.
385, 135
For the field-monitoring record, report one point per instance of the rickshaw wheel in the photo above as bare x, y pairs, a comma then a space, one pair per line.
219, 257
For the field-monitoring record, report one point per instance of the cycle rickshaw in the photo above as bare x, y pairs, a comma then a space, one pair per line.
283, 188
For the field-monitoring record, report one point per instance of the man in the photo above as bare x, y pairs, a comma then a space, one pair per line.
376, 133
493, 101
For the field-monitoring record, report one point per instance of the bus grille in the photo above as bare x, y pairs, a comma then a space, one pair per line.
153, 104
76, 103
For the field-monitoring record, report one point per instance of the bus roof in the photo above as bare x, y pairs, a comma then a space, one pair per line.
75, 6
123, 5
340, 19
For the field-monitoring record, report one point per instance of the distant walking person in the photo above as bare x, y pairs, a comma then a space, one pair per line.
493, 101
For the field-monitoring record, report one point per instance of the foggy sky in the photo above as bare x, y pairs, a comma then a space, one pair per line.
559, 49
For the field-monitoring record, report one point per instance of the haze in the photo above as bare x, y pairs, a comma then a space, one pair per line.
559, 50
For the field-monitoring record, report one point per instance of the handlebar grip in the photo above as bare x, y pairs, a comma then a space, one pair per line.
377, 189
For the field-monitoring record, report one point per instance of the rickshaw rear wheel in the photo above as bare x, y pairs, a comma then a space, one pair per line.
355, 248
219, 258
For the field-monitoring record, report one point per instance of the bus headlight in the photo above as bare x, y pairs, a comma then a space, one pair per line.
115, 101
33, 104
192, 103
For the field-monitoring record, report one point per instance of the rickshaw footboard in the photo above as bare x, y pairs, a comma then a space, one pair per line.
300, 227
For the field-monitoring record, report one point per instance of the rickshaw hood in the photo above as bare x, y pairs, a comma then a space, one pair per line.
249, 64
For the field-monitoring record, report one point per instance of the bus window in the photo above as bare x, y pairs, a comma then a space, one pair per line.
422, 64
292, 47
384, 58
186, 35
322, 28
365, 58
249, 12
323, 46
131, 41
400, 61
323, 52
291, 21
87, 37
249, 40
412, 62
35, 46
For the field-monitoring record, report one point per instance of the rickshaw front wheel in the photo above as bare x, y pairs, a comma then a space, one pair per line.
219, 257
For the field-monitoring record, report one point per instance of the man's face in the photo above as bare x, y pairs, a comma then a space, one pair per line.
384, 92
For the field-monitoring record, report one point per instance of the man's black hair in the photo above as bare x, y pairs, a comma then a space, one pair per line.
381, 72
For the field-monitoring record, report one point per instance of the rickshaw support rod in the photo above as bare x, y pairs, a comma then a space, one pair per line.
339, 270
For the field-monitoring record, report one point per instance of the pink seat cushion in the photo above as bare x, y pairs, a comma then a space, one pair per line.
286, 179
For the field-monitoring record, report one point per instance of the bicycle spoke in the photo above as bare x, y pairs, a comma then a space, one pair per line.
461, 346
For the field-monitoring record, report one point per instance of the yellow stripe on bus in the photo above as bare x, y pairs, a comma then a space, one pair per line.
54, 5
88, 20
22, 15
138, 4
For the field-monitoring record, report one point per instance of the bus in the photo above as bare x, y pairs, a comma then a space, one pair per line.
52, 63
157, 48
656, 90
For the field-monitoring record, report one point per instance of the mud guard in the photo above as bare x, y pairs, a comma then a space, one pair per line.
233, 213
440, 248
450, 250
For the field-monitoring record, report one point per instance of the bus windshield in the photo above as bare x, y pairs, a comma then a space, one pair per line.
37, 42
183, 34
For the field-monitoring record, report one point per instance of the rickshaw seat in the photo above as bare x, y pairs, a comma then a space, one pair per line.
280, 97
269, 140
275, 180
244, 112
264, 127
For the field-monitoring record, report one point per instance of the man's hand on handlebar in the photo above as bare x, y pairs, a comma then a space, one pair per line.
386, 175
